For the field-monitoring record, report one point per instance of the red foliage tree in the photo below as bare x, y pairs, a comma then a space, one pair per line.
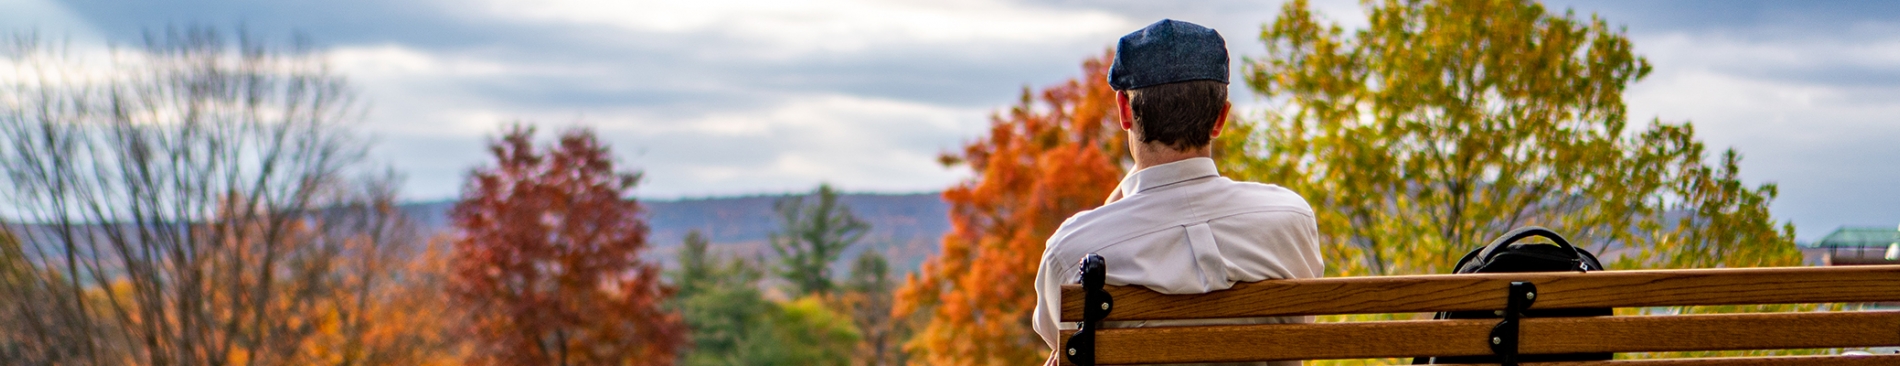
548, 261
1041, 163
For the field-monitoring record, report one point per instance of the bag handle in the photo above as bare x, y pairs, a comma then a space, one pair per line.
1520, 234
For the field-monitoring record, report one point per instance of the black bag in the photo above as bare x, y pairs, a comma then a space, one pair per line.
1505, 256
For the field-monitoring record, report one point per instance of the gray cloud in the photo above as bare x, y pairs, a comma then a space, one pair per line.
473, 71
1759, 18
1805, 90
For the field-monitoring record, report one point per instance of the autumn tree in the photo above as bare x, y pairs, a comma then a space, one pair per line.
194, 200
1053, 154
32, 336
388, 307
815, 229
548, 262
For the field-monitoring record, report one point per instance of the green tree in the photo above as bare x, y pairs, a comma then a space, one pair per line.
721, 304
697, 270
1444, 123
816, 229
731, 322
808, 332
868, 298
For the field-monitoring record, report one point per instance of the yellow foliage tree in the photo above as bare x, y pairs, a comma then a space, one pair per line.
1445, 123
401, 316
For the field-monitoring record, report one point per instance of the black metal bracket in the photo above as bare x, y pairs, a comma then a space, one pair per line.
1504, 337
1096, 304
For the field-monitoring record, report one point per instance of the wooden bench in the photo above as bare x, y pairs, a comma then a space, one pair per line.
1466, 337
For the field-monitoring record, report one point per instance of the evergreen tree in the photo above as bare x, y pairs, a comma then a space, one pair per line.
816, 229
722, 307
696, 268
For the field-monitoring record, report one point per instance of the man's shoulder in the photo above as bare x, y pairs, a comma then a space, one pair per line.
1218, 196
1228, 192
1146, 212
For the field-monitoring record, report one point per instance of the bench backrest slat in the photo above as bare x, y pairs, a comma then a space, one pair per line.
1432, 293
1231, 343
1873, 360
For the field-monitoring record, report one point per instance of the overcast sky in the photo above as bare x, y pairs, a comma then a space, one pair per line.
714, 97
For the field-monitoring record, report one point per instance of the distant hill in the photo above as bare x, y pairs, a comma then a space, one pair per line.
905, 227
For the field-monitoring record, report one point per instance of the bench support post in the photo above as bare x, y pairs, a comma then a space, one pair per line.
1096, 304
1504, 337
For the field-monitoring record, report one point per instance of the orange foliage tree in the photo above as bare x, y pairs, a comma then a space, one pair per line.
548, 261
1055, 153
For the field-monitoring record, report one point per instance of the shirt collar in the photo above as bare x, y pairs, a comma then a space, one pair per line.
1167, 174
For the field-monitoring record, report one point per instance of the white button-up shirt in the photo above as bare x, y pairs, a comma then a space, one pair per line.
1181, 228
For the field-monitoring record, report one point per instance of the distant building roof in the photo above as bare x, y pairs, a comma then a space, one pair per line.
1859, 237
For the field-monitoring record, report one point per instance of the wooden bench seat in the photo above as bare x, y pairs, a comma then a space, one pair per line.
1463, 292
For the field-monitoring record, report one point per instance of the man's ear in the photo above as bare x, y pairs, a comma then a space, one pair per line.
1220, 121
1126, 114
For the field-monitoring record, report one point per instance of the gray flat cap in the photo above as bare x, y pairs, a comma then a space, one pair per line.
1166, 52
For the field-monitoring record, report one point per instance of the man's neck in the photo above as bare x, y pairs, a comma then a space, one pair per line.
1150, 154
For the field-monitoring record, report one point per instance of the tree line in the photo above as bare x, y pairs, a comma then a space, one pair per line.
202, 200
198, 200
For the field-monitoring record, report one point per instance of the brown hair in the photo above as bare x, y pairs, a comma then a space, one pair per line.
1178, 114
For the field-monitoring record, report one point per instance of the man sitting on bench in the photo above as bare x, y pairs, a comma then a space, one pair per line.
1174, 224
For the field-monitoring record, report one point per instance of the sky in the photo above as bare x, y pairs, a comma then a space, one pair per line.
718, 97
